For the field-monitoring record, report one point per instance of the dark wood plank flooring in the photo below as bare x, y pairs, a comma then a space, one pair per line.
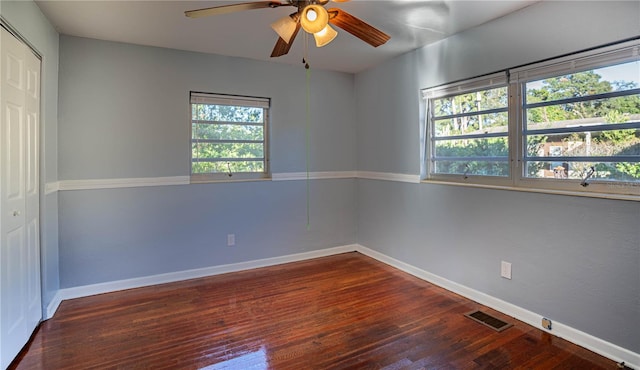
337, 312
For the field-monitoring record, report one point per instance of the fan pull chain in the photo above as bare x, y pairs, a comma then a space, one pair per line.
305, 60
305, 53
308, 134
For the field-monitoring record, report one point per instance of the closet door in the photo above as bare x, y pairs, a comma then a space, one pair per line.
20, 298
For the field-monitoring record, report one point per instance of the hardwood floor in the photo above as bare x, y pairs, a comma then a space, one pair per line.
342, 311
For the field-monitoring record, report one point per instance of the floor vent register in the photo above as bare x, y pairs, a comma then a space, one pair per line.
488, 320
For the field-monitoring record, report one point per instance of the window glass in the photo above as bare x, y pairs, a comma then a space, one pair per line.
469, 133
585, 120
228, 139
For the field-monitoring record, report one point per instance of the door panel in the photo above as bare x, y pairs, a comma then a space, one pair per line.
14, 69
33, 78
31, 171
16, 254
32, 283
14, 152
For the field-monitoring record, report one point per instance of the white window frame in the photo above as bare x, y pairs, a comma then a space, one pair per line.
230, 100
517, 79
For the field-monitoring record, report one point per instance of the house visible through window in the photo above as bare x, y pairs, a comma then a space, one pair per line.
584, 122
229, 136
567, 124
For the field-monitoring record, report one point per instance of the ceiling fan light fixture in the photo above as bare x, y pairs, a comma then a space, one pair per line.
314, 18
325, 36
285, 28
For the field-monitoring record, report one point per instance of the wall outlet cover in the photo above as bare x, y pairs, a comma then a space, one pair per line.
505, 270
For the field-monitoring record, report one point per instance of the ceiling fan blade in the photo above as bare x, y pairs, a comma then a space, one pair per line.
357, 27
231, 8
282, 47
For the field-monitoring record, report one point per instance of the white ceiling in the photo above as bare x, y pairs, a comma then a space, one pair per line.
410, 23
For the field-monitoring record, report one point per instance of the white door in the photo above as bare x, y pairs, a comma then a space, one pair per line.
20, 307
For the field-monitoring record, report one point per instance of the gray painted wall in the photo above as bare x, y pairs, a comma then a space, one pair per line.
576, 260
124, 109
28, 20
109, 235
124, 113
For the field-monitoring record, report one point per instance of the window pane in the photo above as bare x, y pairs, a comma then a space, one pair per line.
228, 138
590, 115
470, 102
612, 171
470, 168
605, 143
480, 124
490, 147
466, 114
226, 113
227, 150
226, 167
227, 132
622, 109
619, 77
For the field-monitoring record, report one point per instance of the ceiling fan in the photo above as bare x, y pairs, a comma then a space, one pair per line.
311, 16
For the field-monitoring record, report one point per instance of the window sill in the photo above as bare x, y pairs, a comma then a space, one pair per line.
204, 180
627, 197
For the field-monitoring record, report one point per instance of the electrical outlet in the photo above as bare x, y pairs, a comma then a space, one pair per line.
231, 240
505, 270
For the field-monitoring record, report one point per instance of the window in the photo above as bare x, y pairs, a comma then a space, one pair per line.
469, 131
228, 137
581, 122
571, 124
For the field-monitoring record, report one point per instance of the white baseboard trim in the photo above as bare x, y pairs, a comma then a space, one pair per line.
594, 344
52, 307
112, 286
